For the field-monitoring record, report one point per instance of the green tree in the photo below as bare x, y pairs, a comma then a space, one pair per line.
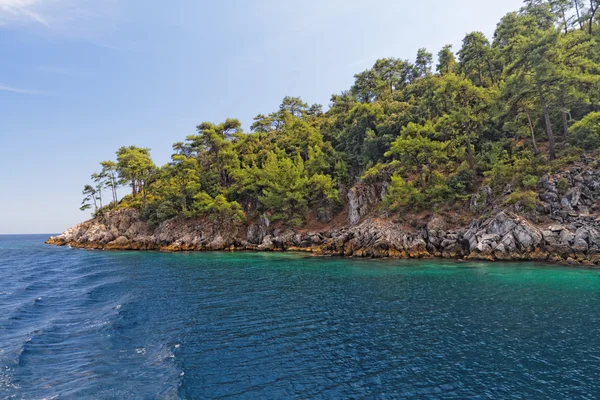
586, 132
366, 86
135, 166
423, 63
465, 112
446, 60
294, 106
218, 209
89, 199
415, 148
110, 171
100, 183
282, 182
476, 59
360, 128
392, 74
556, 67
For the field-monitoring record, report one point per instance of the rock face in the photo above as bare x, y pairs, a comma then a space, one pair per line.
565, 230
505, 236
362, 198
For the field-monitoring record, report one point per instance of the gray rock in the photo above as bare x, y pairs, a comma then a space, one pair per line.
267, 243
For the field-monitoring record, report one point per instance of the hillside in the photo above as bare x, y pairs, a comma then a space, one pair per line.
505, 130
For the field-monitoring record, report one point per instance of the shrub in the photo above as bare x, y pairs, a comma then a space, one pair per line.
218, 209
529, 181
520, 171
526, 199
462, 182
402, 194
585, 133
324, 197
158, 211
562, 185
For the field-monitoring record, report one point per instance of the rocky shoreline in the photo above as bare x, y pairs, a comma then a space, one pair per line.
566, 230
506, 236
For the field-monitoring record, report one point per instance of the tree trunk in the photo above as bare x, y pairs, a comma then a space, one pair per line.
551, 150
420, 172
535, 148
470, 157
593, 8
114, 189
144, 193
578, 14
491, 72
565, 124
429, 171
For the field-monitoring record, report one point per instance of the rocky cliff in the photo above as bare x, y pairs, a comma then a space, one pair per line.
563, 228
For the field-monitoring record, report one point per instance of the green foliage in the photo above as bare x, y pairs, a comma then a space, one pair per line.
586, 132
158, 211
522, 170
524, 199
446, 61
477, 59
218, 209
406, 196
503, 115
277, 186
529, 182
463, 182
415, 148
402, 195
89, 198
562, 186
324, 197
135, 166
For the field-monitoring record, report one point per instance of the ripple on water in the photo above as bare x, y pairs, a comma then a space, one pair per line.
91, 324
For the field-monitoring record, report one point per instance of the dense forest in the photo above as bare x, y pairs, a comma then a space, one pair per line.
483, 124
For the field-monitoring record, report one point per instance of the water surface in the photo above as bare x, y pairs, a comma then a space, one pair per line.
94, 324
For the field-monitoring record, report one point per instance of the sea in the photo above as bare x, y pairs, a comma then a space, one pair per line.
79, 324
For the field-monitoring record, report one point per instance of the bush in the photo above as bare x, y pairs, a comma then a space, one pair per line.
401, 194
324, 197
562, 185
462, 182
438, 193
157, 212
519, 171
218, 209
585, 133
529, 181
526, 199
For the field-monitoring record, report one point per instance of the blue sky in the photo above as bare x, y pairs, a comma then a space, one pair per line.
79, 78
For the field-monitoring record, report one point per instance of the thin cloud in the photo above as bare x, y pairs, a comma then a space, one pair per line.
60, 16
30, 92
51, 69
15, 11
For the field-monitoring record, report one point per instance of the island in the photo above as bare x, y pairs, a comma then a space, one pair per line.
488, 154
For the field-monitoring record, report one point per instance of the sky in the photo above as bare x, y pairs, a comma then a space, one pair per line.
80, 78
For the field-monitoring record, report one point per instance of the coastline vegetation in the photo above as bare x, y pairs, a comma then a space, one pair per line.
486, 121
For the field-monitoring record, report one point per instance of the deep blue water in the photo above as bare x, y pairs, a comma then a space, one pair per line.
126, 325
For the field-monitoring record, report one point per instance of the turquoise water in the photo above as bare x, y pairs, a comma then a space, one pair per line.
111, 325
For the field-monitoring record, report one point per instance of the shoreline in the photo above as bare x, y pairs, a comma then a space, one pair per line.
576, 263
468, 245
